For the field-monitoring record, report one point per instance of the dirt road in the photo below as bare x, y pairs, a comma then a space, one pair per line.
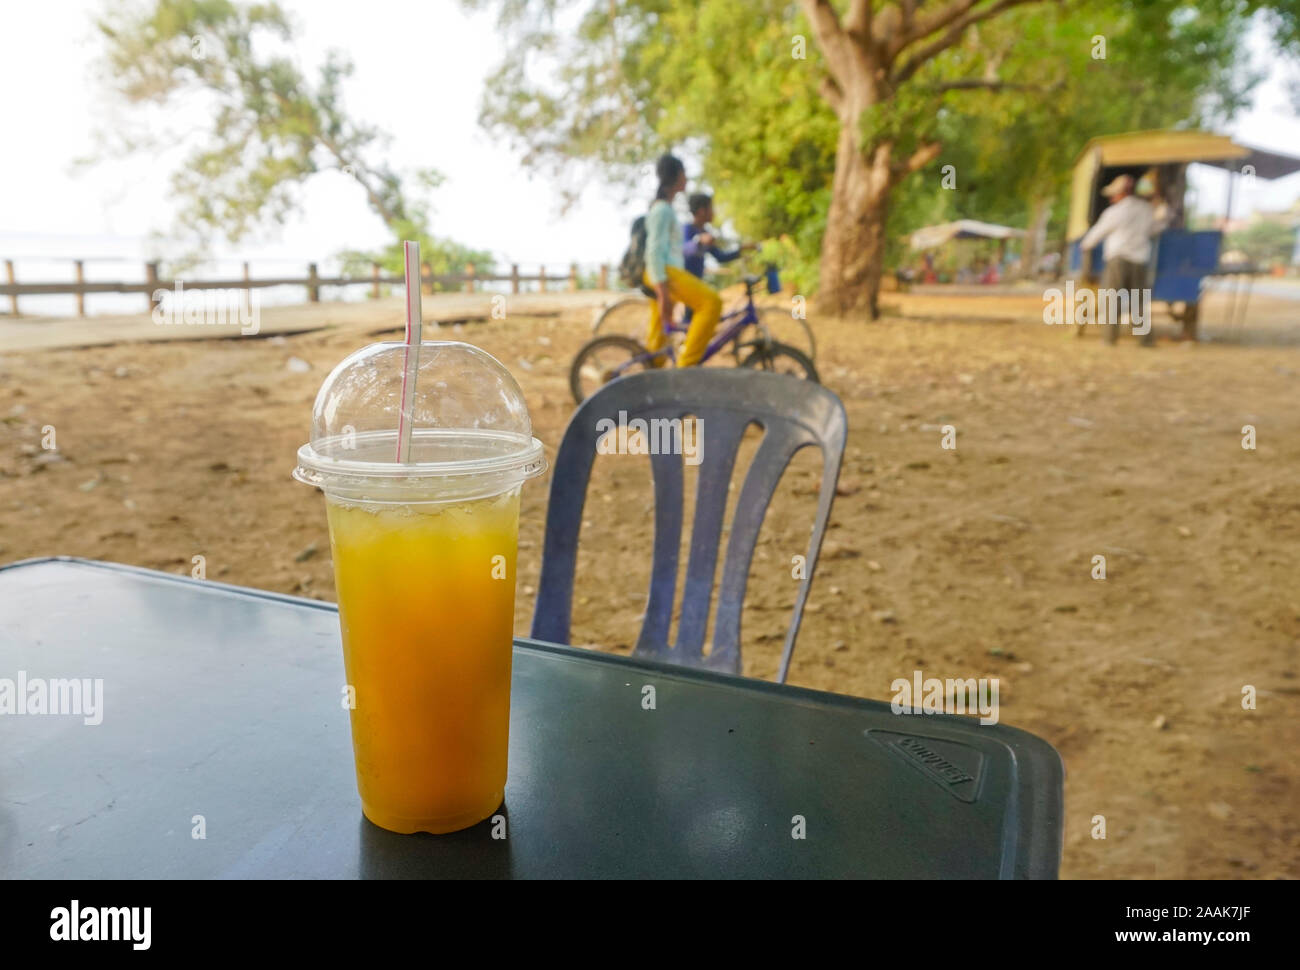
976, 561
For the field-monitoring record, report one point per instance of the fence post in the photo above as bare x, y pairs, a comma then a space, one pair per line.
469, 273
573, 277
313, 287
9, 275
248, 290
374, 281
514, 279
426, 272
81, 295
151, 277
604, 276
541, 279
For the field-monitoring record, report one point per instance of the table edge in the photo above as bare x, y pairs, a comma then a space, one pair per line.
1042, 778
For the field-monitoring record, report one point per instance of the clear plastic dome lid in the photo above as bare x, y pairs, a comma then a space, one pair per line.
470, 431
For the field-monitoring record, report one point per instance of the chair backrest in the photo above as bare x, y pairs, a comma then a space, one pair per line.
792, 413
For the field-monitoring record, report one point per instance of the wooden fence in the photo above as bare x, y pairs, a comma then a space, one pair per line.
313, 282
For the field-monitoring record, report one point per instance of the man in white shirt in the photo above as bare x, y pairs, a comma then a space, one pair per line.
1126, 226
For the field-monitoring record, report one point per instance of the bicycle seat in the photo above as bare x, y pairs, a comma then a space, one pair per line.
751, 281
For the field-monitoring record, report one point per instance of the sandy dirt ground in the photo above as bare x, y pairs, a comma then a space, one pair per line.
971, 562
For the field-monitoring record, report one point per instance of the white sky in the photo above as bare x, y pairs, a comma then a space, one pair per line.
53, 103
489, 201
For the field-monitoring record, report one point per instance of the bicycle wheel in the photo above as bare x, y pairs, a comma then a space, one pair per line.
602, 360
782, 359
789, 330
629, 315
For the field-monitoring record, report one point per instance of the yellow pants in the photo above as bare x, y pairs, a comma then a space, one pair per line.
702, 299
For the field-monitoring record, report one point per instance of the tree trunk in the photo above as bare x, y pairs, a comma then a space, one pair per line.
853, 248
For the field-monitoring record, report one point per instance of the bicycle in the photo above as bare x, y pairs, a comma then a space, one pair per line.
627, 315
611, 356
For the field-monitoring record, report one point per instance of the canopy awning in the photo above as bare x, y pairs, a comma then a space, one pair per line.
1163, 147
933, 236
1266, 164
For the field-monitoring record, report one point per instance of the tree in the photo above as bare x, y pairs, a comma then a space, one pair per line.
1267, 243
818, 139
1012, 154
892, 72
271, 129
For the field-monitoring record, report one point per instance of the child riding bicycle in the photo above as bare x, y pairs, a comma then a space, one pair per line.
666, 273
699, 240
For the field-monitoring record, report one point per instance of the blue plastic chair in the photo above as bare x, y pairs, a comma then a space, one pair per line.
793, 414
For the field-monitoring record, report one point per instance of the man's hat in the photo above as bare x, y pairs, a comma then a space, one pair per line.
1122, 183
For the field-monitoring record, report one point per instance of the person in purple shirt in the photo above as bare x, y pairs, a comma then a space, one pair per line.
700, 241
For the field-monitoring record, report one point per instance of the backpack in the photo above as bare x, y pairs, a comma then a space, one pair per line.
631, 267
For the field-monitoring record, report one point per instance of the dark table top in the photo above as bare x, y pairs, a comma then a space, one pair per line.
226, 703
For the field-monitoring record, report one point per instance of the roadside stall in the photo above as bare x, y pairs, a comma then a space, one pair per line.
934, 237
1182, 258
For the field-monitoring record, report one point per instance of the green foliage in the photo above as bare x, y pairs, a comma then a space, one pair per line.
714, 81
717, 81
269, 128
1165, 66
766, 138
1266, 243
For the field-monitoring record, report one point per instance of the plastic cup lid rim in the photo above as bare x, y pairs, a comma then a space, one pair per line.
527, 461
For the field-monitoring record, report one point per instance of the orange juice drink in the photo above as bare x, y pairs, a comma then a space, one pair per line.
421, 449
426, 604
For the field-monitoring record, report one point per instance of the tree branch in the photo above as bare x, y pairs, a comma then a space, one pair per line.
830, 38
831, 93
922, 157
938, 19
852, 55
967, 84
858, 23
907, 17
888, 28
914, 30
953, 34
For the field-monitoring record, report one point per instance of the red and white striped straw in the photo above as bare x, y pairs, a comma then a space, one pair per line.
411, 355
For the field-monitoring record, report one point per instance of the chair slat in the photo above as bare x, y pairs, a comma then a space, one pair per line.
765, 472
722, 432
653, 641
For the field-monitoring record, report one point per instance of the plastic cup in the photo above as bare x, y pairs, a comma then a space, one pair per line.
424, 566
